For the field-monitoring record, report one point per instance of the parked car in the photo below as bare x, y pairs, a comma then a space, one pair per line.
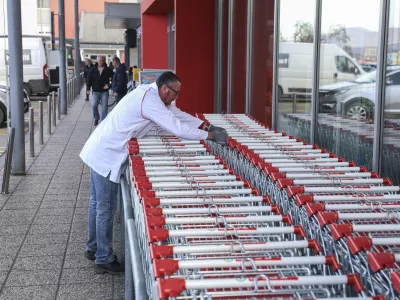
368, 67
357, 98
34, 58
296, 66
3, 102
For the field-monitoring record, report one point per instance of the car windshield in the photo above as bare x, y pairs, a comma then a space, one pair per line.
367, 78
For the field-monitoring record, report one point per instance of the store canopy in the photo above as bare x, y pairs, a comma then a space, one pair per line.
121, 15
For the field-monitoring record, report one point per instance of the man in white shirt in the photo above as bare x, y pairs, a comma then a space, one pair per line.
106, 151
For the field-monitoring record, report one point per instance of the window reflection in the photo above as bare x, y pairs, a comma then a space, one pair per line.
391, 132
295, 67
348, 79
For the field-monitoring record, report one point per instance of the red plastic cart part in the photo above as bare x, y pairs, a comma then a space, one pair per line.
381, 260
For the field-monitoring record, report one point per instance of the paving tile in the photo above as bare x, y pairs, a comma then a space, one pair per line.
82, 276
21, 205
17, 213
83, 203
9, 251
81, 211
119, 287
78, 237
16, 220
79, 226
49, 198
11, 240
58, 204
3, 276
49, 228
5, 264
50, 238
14, 229
77, 261
62, 191
52, 219
30, 190
38, 292
76, 248
33, 263
55, 211
41, 249
85, 292
37, 277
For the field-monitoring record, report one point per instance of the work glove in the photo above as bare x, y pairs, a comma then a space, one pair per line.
220, 135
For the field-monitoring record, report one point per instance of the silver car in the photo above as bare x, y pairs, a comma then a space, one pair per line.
3, 102
357, 98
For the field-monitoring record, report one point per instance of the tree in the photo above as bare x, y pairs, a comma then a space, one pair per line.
304, 32
337, 35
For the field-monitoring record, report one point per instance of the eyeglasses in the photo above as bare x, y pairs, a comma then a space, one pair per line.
175, 91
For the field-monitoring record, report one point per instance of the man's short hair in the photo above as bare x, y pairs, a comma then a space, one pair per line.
116, 58
101, 56
166, 78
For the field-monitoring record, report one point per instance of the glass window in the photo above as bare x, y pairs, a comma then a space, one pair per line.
295, 67
347, 93
43, 3
391, 133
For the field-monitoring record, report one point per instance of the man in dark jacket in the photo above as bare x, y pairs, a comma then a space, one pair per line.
86, 71
99, 81
120, 80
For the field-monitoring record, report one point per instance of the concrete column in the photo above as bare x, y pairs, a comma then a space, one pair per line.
16, 85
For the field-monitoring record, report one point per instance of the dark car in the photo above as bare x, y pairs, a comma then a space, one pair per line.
3, 102
357, 98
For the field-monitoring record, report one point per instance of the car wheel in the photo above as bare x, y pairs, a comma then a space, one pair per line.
2, 116
358, 110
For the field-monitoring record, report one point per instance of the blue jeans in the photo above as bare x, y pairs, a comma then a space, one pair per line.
104, 105
103, 200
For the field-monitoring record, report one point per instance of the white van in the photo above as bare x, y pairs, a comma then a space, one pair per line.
34, 64
296, 66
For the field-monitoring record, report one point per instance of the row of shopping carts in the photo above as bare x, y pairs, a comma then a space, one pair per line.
205, 233
352, 139
351, 212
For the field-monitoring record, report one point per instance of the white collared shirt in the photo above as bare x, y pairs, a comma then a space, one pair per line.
135, 115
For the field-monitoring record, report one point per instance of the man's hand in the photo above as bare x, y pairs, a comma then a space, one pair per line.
210, 136
115, 94
105, 86
88, 92
220, 135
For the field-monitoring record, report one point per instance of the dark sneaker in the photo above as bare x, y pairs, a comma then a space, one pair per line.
96, 122
90, 255
113, 268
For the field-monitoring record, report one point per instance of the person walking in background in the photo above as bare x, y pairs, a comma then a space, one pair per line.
120, 80
86, 71
99, 81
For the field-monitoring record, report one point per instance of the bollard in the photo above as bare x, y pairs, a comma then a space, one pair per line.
58, 104
54, 109
7, 161
41, 142
48, 115
32, 131
53, 106
67, 94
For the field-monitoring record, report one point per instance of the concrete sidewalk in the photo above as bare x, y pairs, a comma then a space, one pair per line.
43, 221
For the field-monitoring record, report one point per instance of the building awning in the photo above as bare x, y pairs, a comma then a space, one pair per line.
121, 15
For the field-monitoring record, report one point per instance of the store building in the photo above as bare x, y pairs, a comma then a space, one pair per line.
300, 69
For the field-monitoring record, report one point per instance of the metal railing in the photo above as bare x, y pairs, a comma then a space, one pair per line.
135, 285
